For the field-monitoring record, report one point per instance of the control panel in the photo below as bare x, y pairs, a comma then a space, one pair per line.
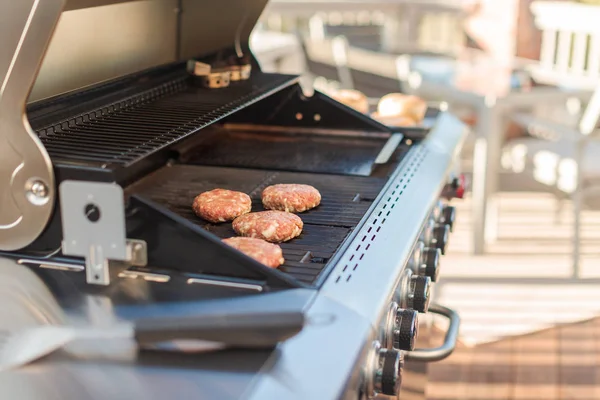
399, 326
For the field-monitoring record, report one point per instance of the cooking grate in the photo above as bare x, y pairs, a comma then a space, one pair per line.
345, 199
122, 133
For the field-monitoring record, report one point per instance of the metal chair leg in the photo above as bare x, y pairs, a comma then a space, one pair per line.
577, 205
559, 206
577, 198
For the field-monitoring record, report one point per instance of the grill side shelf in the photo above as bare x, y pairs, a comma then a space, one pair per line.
175, 243
119, 135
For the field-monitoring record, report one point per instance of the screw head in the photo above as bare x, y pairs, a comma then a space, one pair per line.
37, 192
39, 189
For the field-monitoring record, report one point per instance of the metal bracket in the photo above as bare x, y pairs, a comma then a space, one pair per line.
93, 220
26, 175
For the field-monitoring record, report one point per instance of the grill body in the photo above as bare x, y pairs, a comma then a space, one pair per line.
162, 138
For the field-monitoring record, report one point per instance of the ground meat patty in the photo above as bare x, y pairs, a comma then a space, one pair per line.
272, 226
264, 252
220, 205
290, 197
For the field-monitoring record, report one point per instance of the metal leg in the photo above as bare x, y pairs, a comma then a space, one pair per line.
486, 164
558, 209
577, 198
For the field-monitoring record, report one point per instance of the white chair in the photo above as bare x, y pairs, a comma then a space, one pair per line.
564, 157
562, 152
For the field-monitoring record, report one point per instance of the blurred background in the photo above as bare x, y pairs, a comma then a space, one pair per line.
523, 268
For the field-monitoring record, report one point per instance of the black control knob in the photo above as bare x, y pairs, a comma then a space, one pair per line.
440, 237
418, 293
389, 372
406, 330
430, 263
448, 216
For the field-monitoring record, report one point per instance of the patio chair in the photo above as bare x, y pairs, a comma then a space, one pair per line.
561, 151
563, 156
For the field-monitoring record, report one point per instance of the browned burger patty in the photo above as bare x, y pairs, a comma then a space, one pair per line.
290, 197
272, 226
220, 205
264, 252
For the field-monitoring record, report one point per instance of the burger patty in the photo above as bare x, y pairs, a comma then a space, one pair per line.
220, 205
272, 226
264, 252
290, 197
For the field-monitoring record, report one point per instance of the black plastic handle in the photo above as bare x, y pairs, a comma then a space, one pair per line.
248, 330
439, 353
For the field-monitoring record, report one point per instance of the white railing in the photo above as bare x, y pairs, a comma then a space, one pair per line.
570, 48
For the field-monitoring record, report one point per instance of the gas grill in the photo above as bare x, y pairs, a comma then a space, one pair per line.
98, 182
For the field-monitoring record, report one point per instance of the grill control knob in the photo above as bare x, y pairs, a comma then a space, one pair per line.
418, 293
388, 375
383, 371
406, 329
440, 237
430, 263
448, 215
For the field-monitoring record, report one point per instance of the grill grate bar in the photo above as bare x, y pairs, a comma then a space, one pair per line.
139, 126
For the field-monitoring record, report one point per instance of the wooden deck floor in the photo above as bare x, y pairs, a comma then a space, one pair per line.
556, 363
522, 339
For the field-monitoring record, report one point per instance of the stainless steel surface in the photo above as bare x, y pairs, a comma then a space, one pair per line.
223, 23
339, 334
93, 45
137, 252
412, 191
215, 282
388, 149
21, 347
415, 263
450, 339
93, 222
26, 175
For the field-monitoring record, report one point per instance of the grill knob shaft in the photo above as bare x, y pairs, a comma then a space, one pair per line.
406, 330
388, 376
436, 212
427, 235
416, 257
440, 236
418, 293
430, 263
448, 215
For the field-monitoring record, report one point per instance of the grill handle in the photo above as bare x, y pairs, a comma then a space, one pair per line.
439, 353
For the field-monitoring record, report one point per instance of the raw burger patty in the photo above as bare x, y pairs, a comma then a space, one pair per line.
290, 197
272, 226
220, 205
264, 252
